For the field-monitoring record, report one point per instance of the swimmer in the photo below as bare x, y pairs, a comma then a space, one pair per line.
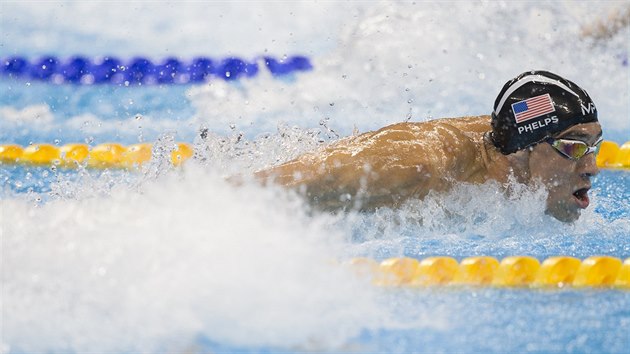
543, 131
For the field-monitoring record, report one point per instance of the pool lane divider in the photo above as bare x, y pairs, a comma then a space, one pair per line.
484, 271
611, 155
109, 155
114, 155
80, 70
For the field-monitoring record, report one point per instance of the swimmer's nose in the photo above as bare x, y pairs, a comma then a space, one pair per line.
588, 166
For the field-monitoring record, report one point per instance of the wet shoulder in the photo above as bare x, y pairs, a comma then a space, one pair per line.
472, 126
454, 130
456, 142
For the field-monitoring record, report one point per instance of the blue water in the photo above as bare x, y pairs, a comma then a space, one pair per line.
494, 321
178, 260
110, 103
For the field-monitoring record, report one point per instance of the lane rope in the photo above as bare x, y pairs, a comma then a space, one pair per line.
114, 155
513, 271
611, 155
138, 71
108, 155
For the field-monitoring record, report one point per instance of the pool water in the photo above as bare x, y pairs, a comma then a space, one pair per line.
178, 260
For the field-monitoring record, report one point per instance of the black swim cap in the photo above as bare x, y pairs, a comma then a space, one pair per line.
536, 105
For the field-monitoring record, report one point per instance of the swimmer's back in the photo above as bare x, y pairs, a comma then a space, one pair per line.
389, 165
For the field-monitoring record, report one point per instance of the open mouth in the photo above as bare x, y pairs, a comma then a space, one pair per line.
581, 196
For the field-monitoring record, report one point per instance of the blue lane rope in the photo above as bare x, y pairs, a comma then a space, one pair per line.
142, 71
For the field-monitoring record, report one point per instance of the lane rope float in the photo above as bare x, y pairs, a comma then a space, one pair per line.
108, 155
81, 70
513, 271
611, 155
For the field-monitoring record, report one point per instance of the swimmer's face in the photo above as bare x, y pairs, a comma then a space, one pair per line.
567, 181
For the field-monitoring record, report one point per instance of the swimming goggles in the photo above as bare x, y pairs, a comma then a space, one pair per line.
573, 149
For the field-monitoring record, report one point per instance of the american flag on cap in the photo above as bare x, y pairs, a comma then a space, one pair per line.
532, 108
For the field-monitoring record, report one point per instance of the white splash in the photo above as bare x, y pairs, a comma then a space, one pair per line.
185, 256
37, 114
413, 61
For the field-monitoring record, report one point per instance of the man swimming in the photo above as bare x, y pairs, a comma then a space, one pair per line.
543, 131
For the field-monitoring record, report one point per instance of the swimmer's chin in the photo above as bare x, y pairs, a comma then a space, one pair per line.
564, 216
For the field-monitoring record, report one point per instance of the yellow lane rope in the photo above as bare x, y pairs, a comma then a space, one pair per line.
611, 155
513, 271
113, 155
110, 155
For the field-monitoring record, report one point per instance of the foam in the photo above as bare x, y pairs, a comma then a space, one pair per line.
412, 61
242, 29
152, 269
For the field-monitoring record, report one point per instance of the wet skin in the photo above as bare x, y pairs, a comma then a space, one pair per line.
407, 160
566, 180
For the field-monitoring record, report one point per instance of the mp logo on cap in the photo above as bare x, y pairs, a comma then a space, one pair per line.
589, 109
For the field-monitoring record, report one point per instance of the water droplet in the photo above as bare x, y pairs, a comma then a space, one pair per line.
410, 100
57, 141
227, 74
332, 104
